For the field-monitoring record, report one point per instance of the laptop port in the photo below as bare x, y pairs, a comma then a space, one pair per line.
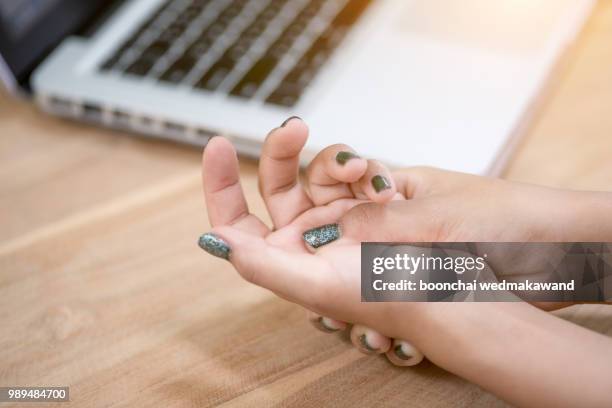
91, 112
174, 128
145, 121
59, 103
204, 134
121, 118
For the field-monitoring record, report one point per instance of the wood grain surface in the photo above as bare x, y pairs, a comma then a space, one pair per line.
103, 288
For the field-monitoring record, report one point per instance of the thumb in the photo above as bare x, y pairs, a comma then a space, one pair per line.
397, 221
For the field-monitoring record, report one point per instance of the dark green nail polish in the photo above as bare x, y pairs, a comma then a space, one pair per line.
399, 352
363, 340
289, 120
214, 245
317, 237
380, 183
343, 157
324, 327
272, 131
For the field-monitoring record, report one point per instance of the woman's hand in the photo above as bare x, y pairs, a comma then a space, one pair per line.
442, 206
450, 206
336, 181
490, 344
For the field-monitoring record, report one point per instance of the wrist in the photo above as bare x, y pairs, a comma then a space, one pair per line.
570, 216
589, 216
516, 351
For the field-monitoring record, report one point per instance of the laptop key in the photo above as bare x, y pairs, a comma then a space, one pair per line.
179, 69
111, 62
216, 74
199, 47
286, 95
351, 13
147, 59
249, 84
139, 67
158, 47
172, 32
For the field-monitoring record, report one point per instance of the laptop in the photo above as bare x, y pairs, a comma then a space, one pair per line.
445, 83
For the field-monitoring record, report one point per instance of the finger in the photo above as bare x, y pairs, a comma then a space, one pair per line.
326, 324
369, 341
377, 184
320, 227
278, 172
403, 353
225, 199
422, 181
331, 171
296, 276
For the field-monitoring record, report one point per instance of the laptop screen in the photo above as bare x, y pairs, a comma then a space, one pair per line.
18, 16
30, 29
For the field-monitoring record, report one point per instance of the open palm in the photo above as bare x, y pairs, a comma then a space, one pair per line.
325, 280
271, 257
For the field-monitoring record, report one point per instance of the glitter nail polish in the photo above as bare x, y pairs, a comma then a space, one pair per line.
317, 237
404, 354
324, 326
363, 340
214, 245
399, 352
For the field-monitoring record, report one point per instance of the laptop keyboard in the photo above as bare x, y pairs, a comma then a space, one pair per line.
266, 50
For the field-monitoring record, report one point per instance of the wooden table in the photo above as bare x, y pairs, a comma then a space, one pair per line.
103, 289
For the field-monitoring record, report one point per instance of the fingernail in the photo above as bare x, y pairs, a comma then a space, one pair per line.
317, 237
289, 120
272, 131
321, 322
399, 352
214, 245
363, 340
343, 157
380, 183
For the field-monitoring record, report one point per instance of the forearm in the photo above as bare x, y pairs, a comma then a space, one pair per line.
524, 355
